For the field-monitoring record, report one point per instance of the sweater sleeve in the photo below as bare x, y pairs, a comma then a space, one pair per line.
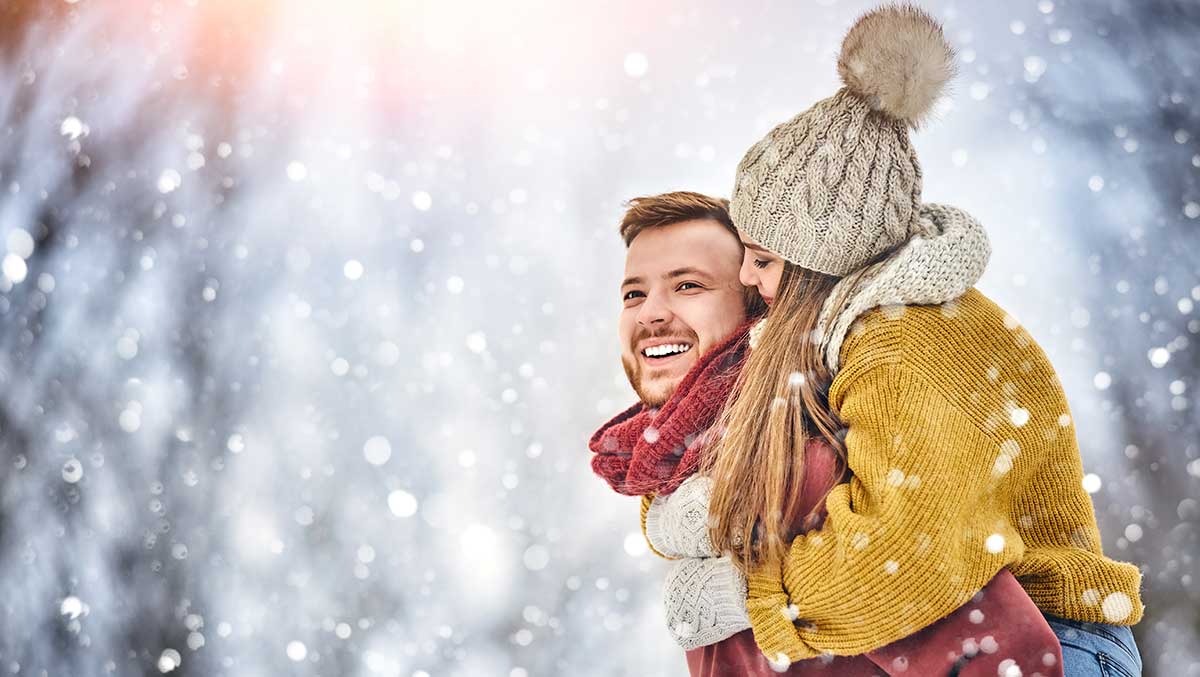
915, 533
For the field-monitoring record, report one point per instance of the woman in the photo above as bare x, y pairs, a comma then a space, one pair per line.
950, 420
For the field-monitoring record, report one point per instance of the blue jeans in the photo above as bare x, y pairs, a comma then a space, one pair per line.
1096, 649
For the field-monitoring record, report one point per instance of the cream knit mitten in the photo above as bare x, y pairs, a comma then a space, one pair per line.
705, 600
704, 595
677, 524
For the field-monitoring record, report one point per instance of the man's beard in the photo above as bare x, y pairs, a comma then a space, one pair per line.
652, 395
657, 393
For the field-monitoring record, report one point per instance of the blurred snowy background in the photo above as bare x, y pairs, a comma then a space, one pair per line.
308, 308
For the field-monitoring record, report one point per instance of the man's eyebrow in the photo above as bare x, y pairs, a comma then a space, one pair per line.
678, 272
687, 270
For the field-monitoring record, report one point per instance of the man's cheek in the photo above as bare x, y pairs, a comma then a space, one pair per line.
623, 335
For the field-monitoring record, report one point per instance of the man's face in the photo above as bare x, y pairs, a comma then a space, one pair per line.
682, 296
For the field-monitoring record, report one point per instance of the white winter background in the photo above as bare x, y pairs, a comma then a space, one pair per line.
307, 309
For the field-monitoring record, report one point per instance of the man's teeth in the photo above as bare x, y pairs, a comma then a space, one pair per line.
668, 349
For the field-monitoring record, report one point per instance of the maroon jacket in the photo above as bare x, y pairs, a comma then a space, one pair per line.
1001, 623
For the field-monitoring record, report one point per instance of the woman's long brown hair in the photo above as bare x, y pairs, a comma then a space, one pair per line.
779, 401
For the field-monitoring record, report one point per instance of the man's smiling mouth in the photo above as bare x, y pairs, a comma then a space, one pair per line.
664, 351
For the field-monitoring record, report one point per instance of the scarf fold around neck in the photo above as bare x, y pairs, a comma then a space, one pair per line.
940, 262
645, 450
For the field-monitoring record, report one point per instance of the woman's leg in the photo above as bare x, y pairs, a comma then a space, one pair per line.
1096, 649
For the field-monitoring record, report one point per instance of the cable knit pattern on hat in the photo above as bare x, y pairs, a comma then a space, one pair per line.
831, 188
839, 184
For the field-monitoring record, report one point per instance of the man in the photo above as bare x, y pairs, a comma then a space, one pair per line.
683, 333
684, 318
681, 293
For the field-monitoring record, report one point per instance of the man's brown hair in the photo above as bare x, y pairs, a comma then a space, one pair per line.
655, 211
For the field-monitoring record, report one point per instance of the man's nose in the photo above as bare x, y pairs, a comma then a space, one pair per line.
654, 310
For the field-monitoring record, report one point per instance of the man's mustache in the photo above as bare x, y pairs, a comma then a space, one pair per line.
640, 336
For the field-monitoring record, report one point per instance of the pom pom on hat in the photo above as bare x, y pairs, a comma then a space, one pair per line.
840, 184
897, 60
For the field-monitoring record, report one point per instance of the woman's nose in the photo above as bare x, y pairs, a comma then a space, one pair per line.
746, 274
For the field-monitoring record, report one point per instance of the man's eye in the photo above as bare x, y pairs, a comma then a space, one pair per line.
688, 285
760, 263
631, 295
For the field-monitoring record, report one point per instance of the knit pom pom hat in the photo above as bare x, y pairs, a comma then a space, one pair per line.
839, 184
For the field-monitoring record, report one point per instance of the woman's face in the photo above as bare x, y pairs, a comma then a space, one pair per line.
760, 268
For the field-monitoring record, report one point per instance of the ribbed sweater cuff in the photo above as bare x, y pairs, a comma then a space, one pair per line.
1093, 589
765, 582
774, 630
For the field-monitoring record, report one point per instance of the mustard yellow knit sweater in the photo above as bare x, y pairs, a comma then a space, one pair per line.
964, 461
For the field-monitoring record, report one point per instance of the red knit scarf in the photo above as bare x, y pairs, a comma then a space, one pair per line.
645, 450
